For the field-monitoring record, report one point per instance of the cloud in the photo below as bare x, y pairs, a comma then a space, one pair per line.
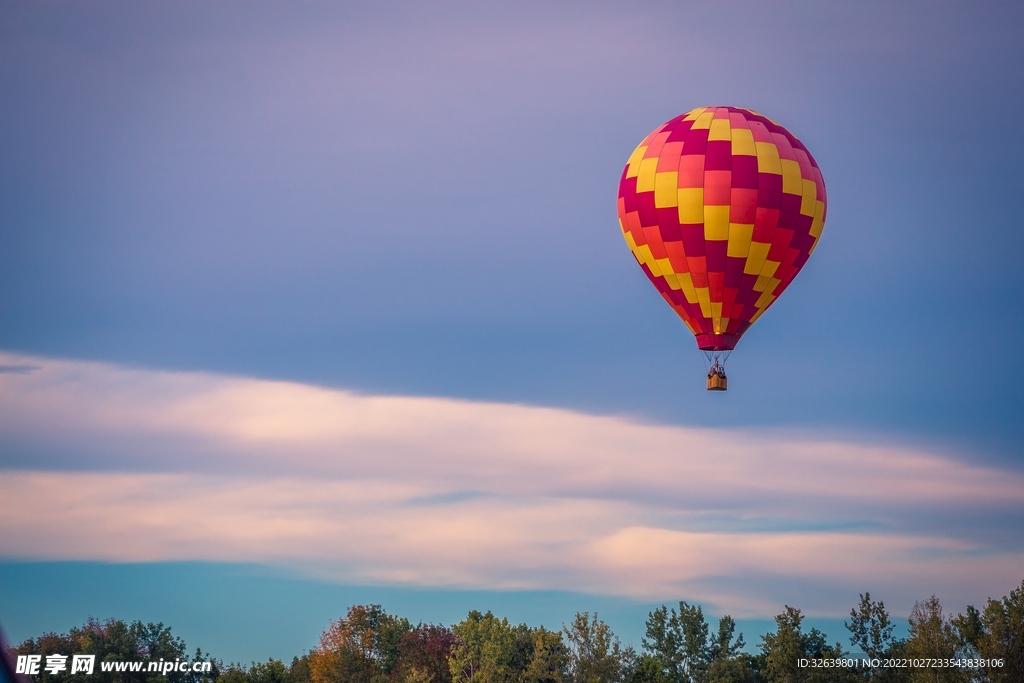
18, 369
111, 463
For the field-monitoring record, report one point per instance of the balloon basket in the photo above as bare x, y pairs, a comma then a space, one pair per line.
717, 382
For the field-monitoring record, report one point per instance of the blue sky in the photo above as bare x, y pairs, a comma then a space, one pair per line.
233, 207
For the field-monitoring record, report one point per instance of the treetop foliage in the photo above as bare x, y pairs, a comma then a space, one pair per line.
112, 641
368, 645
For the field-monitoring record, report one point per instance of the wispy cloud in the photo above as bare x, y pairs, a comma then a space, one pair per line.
111, 463
17, 369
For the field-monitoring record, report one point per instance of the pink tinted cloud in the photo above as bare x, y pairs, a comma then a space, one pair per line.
139, 465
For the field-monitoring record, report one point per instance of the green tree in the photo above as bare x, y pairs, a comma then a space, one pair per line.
114, 641
679, 649
233, 673
643, 668
1004, 630
726, 645
678, 641
490, 650
742, 668
996, 633
274, 671
550, 658
932, 636
870, 627
298, 672
271, 671
486, 650
203, 676
783, 650
596, 655
871, 631
729, 664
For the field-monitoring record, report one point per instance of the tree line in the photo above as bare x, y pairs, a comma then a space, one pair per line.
369, 645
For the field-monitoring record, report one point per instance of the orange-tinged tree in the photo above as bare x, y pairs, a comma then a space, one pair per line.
361, 647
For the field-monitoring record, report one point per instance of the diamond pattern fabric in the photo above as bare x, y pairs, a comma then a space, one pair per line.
721, 207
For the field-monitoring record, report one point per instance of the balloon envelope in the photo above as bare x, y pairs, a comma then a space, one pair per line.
721, 207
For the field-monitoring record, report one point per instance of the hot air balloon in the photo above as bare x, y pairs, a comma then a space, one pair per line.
721, 207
